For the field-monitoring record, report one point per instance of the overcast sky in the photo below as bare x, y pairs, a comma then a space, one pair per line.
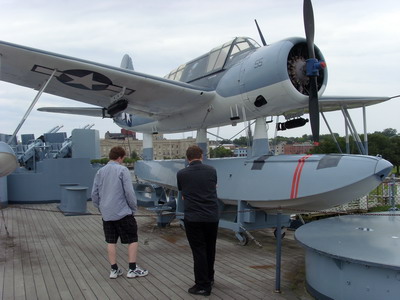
359, 39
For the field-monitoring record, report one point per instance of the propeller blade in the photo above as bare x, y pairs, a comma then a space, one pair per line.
308, 16
313, 105
261, 35
313, 108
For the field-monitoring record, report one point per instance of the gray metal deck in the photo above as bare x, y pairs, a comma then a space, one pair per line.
51, 256
353, 256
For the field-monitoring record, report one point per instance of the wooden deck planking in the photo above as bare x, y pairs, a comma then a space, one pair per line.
84, 241
26, 240
50, 264
78, 260
8, 270
60, 265
97, 260
53, 264
51, 256
82, 269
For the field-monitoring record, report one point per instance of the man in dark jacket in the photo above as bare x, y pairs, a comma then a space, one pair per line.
198, 185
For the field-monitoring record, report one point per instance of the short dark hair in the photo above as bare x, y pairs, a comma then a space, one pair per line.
116, 152
194, 152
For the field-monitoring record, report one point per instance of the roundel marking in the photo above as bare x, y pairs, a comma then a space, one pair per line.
84, 79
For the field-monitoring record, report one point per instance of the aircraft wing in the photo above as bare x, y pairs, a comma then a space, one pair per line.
331, 103
97, 84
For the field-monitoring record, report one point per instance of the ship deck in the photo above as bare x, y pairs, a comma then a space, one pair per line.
46, 255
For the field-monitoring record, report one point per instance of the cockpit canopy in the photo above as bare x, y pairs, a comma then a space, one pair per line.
214, 61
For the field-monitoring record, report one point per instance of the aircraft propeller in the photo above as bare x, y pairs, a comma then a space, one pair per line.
312, 69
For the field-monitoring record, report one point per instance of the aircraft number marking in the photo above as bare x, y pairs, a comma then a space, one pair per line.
258, 63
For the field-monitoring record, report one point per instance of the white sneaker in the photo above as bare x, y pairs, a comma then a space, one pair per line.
115, 273
138, 272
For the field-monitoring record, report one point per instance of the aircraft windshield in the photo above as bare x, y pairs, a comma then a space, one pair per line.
213, 61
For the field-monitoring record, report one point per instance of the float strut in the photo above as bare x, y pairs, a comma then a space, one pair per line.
278, 253
31, 106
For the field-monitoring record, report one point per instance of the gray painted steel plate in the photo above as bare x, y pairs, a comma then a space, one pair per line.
369, 239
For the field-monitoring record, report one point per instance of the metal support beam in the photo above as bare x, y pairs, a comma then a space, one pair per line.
365, 130
260, 139
275, 135
353, 130
346, 129
249, 136
330, 130
118, 96
31, 106
148, 146
278, 253
201, 140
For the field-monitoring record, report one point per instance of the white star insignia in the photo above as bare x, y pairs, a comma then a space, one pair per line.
86, 81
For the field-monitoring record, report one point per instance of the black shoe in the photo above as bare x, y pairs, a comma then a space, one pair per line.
195, 290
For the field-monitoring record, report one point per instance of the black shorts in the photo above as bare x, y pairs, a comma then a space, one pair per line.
126, 229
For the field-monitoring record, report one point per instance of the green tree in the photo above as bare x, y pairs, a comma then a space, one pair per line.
394, 157
128, 160
389, 132
242, 141
378, 144
386, 144
134, 155
101, 161
304, 138
328, 145
220, 152
225, 141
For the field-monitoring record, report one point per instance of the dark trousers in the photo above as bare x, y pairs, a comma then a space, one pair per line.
202, 237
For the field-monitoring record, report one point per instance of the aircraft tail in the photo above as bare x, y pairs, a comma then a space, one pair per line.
84, 111
126, 62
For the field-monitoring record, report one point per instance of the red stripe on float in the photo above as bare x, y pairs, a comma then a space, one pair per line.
297, 175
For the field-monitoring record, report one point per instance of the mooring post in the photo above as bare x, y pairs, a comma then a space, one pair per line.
278, 253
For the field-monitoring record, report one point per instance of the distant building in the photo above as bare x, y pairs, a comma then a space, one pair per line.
278, 148
240, 152
162, 148
298, 148
122, 135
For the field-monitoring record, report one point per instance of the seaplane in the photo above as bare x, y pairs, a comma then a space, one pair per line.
238, 81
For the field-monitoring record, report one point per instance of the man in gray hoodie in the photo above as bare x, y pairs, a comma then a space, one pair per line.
115, 198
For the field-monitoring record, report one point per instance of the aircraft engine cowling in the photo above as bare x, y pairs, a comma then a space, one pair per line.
277, 72
296, 67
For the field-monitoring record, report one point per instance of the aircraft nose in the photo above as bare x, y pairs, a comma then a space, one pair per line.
383, 168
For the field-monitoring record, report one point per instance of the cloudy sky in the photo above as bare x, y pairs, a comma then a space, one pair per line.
359, 39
